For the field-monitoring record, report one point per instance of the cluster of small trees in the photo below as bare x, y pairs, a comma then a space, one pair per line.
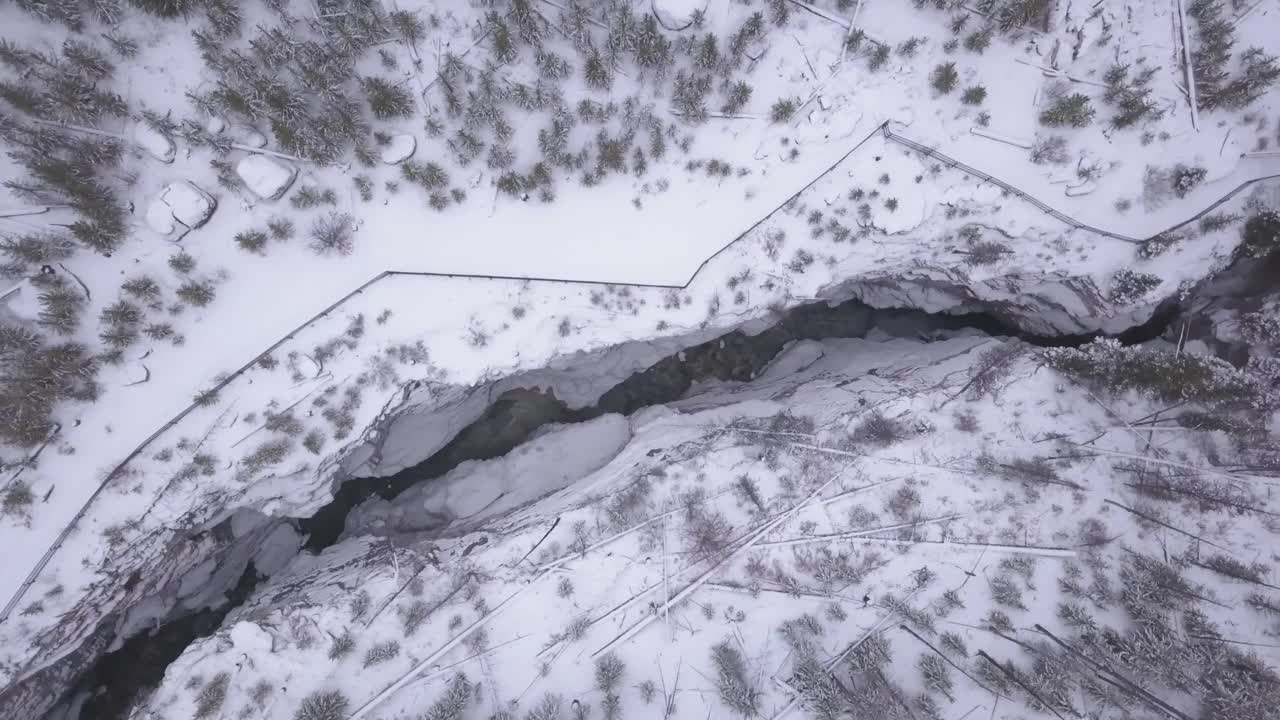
1215, 39
37, 374
1131, 96
299, 77
1163, 375
1067, 109
63, 168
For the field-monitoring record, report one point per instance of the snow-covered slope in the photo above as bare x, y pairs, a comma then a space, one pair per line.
861, 507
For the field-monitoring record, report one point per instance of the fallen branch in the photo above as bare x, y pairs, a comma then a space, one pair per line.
858, 533
1038, 551
1170, 463
939, 653
982, 654
1233, 576
880, 624
544, 537
408, 677
616, 536
1161, 523
1121, 682
1198, 496
703, 578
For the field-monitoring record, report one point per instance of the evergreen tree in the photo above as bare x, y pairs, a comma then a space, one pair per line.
1074, 110
944, 78
1130, 96
737, 97
60, 304
408, 26
596, 70
33, 250
67, 12
974, 95
1261, 234
166, 8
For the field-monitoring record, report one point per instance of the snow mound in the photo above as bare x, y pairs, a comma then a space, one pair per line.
400, 148
157, 144
159, 217
180, 202
677, 14
247, 135
265, 176
188, 204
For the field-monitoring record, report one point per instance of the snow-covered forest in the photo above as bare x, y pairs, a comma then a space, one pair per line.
339, 339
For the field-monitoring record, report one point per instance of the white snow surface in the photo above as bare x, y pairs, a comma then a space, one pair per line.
677, 14
188, 204
617, 549
477, 490
626, 230
160, 146
399, 149
266, 176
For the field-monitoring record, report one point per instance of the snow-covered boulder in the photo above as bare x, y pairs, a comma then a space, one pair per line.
190, 205
248, 135
265, 176
157, 144
400, 148
677, 14
215, 124
179, 203
159, 216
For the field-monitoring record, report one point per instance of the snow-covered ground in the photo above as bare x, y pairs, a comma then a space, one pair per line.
629, 235
869, 493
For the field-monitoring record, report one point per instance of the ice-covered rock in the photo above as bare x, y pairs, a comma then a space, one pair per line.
400, 148
265, 176
157, 144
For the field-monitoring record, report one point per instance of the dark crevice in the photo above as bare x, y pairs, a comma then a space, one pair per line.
121, 677
733, 357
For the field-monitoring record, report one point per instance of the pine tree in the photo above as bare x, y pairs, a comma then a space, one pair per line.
387, 101
736, 689
67, 12
1131, 96
596, 70
60, 304
736, 98
974, 95
944, 78
166, 8
408, 26
34, 249
1075, 110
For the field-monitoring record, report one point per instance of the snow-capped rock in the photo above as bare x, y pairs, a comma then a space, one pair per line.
190, 205
265, 176
180, 203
